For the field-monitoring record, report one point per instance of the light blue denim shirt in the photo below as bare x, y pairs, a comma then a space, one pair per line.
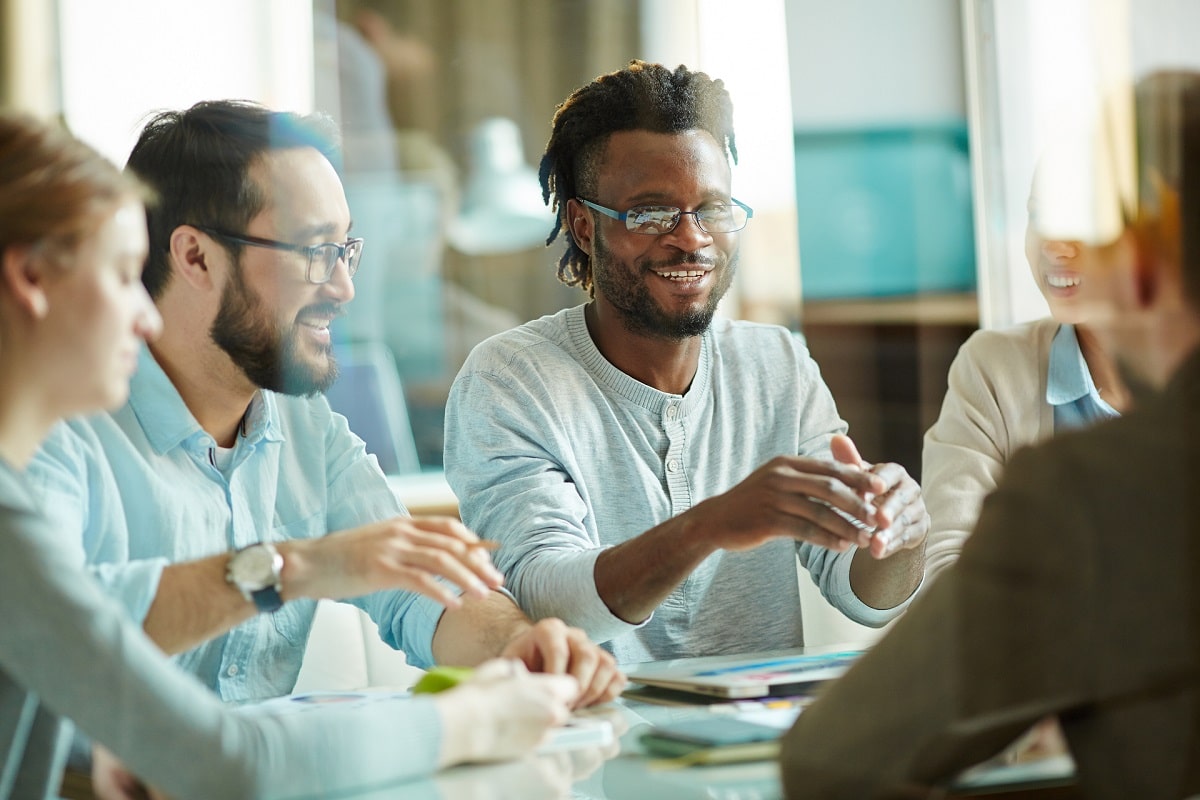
141, 485
1069, 385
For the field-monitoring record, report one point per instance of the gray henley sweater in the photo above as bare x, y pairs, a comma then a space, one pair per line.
557, 454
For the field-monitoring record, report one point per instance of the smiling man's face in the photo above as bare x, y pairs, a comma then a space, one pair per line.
272, 322
667, 285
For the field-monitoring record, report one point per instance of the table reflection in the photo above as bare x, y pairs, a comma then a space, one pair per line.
619, 771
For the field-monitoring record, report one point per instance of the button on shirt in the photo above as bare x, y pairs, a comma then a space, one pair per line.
143, 486
1069, 386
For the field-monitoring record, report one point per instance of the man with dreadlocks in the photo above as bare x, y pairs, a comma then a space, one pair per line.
652, 474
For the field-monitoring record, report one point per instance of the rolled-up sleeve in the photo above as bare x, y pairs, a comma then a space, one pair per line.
831, 572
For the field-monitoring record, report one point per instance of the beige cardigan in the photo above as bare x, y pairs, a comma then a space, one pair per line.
995, 405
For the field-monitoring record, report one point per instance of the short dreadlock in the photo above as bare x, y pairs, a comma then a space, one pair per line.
643, 96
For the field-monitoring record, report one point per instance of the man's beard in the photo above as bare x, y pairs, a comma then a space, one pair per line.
268, 355
627, 292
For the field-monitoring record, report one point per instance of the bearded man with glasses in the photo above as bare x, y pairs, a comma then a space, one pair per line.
226, 492
652, 474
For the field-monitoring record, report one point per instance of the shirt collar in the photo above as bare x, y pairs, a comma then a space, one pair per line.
168, 423
1068, 378
630, 388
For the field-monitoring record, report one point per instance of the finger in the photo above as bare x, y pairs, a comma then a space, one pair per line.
583, 664
606, 684
550, 642
848, 493
423, 583
843, 449
818, 522
452, 528
472, 556
905, 534
435, 562
448, 526
565, 690
895, 481
845, 487
857, 479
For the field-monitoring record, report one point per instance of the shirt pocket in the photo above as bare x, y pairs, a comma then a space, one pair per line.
293, 622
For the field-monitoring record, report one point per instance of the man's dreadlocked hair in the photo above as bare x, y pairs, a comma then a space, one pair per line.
643, 96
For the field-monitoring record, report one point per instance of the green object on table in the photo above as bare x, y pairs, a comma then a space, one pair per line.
439, 679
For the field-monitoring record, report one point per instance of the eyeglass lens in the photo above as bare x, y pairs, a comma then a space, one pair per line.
324, 257
663, 219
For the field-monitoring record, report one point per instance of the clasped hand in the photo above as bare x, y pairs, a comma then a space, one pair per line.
831, 503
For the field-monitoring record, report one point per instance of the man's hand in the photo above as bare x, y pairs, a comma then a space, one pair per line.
550, 646
902, 523
400, 553
796, 497
817, 500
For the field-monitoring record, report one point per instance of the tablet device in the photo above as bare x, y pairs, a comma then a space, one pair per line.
779, 673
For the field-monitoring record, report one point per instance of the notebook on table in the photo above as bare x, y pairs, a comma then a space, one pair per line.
773, 674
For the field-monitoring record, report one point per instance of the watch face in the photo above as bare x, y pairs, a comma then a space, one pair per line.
255, 567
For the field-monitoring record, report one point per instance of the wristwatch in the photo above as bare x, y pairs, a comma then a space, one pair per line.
255, 572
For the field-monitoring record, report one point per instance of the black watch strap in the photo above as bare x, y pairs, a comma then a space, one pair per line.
267, 599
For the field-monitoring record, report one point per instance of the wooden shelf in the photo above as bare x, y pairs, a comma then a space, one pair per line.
425, 493
927, 309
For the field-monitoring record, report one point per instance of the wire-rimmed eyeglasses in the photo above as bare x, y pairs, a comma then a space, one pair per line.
322, 258
657, 220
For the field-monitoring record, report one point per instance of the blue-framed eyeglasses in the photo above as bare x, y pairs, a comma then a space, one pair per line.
657, 220
322, 258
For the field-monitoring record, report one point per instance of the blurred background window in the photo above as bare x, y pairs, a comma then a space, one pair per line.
887, 149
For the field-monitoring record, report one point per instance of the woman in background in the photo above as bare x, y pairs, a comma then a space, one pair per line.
1012, 388
73, 313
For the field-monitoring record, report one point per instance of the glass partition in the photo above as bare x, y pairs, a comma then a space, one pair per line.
446, 108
